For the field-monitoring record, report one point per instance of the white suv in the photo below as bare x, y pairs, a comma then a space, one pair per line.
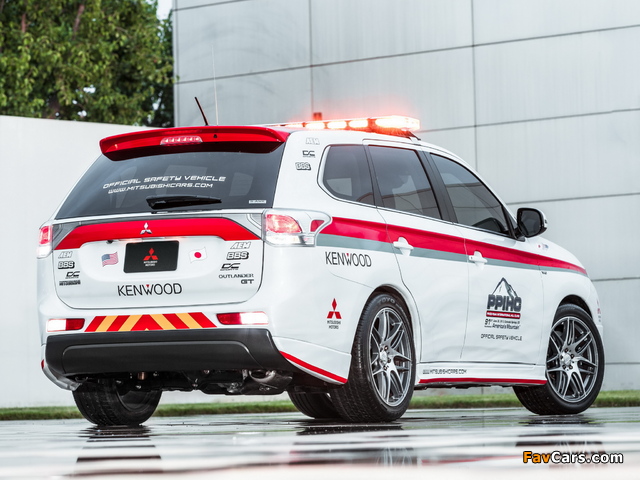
344, 262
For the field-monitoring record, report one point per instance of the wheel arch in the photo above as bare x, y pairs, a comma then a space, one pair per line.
410, 309
577, 301
395, 293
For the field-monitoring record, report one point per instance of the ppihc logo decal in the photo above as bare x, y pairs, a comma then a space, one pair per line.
504, 302
503, 312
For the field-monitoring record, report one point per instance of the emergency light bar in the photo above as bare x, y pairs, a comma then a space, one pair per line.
393, 124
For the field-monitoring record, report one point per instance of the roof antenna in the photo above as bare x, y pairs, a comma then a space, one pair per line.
215, 85
204, 117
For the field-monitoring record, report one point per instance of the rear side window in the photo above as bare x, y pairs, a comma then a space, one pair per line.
346, 174
203, 180
473, 202
403, 182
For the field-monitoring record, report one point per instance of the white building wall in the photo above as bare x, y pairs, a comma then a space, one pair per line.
543, 97
40, 161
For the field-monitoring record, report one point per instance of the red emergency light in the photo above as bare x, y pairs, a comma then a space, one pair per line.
391, 125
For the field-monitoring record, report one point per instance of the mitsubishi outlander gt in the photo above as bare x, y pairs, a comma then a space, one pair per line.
344, 262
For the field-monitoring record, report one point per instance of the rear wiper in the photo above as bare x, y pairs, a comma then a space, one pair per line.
158, 202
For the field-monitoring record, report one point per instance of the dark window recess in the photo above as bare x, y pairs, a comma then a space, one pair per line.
346, 174
202, 180
403, 182
473, 202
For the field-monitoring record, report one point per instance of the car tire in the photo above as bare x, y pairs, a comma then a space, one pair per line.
314, 405
574, 368
382, 374
103, 404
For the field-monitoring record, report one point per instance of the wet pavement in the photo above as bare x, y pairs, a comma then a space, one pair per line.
479, 444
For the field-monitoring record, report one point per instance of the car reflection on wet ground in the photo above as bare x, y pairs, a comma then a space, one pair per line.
486, 443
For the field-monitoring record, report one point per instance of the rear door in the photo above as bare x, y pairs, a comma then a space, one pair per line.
429, 250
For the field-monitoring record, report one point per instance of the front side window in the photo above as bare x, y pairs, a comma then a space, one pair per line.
403, 182
346, 174
473, 202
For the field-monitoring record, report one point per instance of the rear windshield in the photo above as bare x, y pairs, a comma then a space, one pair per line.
231, 179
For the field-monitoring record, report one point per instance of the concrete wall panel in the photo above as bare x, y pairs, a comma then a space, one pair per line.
460, 141
560, 76
503, 20
620, 335
356, 29
601, 232
245, 37
435, 87
267, 98
41, 161
566, 158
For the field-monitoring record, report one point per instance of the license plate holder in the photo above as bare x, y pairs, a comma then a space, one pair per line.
151, 257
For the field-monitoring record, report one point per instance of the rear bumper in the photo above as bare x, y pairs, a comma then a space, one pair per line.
163, 351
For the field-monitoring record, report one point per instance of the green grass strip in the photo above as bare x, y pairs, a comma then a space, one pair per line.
620, 398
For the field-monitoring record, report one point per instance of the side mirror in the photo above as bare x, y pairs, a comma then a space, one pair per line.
531, 222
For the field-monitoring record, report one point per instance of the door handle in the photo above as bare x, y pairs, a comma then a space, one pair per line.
404, 246
477, 258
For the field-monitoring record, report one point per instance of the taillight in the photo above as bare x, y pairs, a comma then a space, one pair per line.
243, 318
44, 241
282, 224
293, 227
64, 324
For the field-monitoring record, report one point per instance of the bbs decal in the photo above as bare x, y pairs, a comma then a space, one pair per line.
303, 166
65, 265
242, 255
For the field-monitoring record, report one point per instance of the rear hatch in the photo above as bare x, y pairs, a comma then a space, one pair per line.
168, 218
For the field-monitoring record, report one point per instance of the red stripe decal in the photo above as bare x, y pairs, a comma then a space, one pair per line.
95, 323
117, 323
380, 232
510, 255
216, 227
146, 322
483, 380
308, 366
346, 227
202, 319
175, 321
429, 240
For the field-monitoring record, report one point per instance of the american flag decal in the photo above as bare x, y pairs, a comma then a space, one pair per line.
109, 259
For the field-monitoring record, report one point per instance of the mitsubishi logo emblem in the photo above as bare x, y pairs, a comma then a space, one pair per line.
145, 229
